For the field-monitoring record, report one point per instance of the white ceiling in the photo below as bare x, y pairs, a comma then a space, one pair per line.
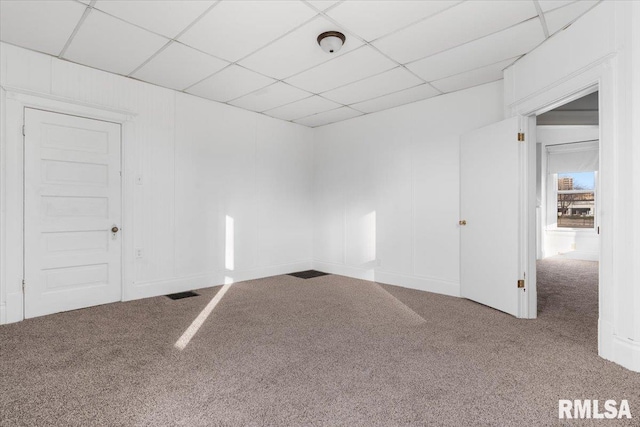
263, 56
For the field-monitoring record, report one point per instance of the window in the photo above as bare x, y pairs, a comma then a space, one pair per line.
576, 200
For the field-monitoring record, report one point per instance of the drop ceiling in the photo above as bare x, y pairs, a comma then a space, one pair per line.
263, 56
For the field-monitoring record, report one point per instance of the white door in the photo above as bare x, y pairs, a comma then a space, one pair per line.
490, 195
71, 212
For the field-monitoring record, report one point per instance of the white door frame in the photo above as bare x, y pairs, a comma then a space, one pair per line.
12, 185
599, 76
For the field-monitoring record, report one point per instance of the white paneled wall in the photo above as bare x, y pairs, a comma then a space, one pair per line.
387, 190
250, 168
195, 163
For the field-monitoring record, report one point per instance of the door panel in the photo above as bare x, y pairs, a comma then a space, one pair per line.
490, 205
72, 200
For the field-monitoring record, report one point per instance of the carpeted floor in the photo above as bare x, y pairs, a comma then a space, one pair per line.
324, 351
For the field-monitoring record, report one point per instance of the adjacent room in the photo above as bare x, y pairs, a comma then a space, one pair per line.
319, 212
567, 227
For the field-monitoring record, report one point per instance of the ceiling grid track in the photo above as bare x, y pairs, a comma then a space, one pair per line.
326, 15
236, 62
86, 13
175, 39
543, 20
565, 26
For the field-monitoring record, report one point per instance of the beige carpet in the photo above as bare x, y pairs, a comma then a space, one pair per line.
325, 351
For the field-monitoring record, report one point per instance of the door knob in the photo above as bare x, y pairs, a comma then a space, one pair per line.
115, 229
462, 222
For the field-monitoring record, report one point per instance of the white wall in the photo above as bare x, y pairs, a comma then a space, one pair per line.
199, 161
602, 48
572, 243
387, 190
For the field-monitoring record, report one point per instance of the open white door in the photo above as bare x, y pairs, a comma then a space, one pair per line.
490, 197
71, 212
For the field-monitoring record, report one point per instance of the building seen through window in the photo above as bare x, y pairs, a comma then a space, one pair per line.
576, 200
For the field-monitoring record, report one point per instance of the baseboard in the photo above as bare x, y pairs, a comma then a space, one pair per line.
605, 339
579, 255
275, 270
413, 282
156, 288
180, 284
421, 283
11, 312
626, 352
623, 351
345, 270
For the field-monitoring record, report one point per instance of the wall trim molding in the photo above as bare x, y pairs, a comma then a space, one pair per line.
345, 270
12, 308
45, 99
268, 271
155, 288
427, 284
529, 104
626, 353
617, 349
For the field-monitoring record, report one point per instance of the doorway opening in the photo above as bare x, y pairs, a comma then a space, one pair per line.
567, 217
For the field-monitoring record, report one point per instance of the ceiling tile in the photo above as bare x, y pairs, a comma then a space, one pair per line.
179, 66
230, 83
475, 77
270, 97
166, 17
297, 51
327, 117
372, 19
234, 29
455, 26
110, 44
322, 4
505, 44
547, 5
44, 26
406, 96
557, 19
305, 107
372, 87
356, 65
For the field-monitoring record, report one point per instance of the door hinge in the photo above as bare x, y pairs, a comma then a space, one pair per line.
520, 136
23, 131
22, 285
520, 283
